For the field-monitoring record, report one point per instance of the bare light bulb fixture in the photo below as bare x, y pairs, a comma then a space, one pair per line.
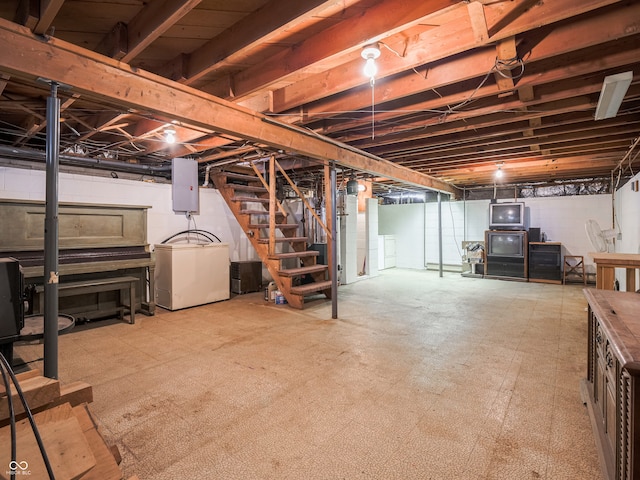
170, 135
371, 53
499, 172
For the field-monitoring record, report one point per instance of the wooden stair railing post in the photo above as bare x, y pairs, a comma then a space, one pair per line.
272, 205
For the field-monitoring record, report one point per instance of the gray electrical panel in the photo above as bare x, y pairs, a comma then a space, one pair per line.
184, 181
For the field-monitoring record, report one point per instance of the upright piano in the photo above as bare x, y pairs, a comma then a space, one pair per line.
96, 242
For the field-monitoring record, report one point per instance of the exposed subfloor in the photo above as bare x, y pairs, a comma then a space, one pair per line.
420, 377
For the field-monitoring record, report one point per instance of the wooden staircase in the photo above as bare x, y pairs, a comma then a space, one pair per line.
264, 220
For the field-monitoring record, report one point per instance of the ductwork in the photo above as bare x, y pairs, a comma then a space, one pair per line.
39, 156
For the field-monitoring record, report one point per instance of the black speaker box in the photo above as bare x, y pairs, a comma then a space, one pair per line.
534, 235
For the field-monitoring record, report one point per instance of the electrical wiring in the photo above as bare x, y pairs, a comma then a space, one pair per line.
509, 64
204, 233
12, 417
36, 433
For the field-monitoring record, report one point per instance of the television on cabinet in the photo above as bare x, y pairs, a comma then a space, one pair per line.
505, 244
507, 216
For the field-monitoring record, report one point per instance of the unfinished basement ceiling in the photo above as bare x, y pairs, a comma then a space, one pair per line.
461, 88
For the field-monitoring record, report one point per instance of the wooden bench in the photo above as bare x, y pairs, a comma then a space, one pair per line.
120, 284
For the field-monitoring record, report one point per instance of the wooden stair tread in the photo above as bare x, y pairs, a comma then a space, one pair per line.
305, 253
281, 226
246, 188
250, 199
284, 239
311, 287
249, 211
239, 176
292, 272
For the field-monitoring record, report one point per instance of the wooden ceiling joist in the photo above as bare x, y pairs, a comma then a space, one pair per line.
95, 76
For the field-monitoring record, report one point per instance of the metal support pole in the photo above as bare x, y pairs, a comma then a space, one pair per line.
440, 232
51, 236
334, 248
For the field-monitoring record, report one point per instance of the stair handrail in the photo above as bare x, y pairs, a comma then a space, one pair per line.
304, 200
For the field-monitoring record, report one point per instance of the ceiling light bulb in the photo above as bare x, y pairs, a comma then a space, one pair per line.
370, 68
170, 135
499, 172
370, 53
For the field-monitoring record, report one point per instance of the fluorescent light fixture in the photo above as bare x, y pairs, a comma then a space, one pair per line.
613, 91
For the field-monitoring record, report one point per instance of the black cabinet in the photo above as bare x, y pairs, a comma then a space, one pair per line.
545, 262
505, 266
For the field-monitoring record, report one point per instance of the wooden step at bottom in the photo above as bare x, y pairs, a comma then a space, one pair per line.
284, 239
241, 198
311, 288
293, 272
304, 253
281, 226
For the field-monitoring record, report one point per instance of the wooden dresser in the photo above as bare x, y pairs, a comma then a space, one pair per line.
612, 387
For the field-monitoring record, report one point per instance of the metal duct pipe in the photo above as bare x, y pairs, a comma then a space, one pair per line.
30, 154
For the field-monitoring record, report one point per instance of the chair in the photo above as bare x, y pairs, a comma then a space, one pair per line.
573, 266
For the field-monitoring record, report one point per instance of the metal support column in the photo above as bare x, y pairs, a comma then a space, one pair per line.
440, 233
51, 236
334, 249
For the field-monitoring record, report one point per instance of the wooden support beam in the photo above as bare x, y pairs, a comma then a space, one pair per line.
506, 55
27, 13
257, 28
95, 76
48, 11
478, 22
390, 16
451, 39
152, 21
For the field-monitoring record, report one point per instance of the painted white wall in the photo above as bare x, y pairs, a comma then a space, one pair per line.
561, 218
162, 222
372, 236
361, 243
627, 207
349, 239
407, 223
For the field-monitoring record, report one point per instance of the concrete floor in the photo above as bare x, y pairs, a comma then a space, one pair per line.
421, 377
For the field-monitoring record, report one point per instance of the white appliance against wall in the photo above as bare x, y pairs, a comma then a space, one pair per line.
191, 274
386, 251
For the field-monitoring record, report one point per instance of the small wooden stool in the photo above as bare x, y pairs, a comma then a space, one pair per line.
573, 265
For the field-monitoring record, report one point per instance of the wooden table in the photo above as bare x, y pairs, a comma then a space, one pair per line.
606, 263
